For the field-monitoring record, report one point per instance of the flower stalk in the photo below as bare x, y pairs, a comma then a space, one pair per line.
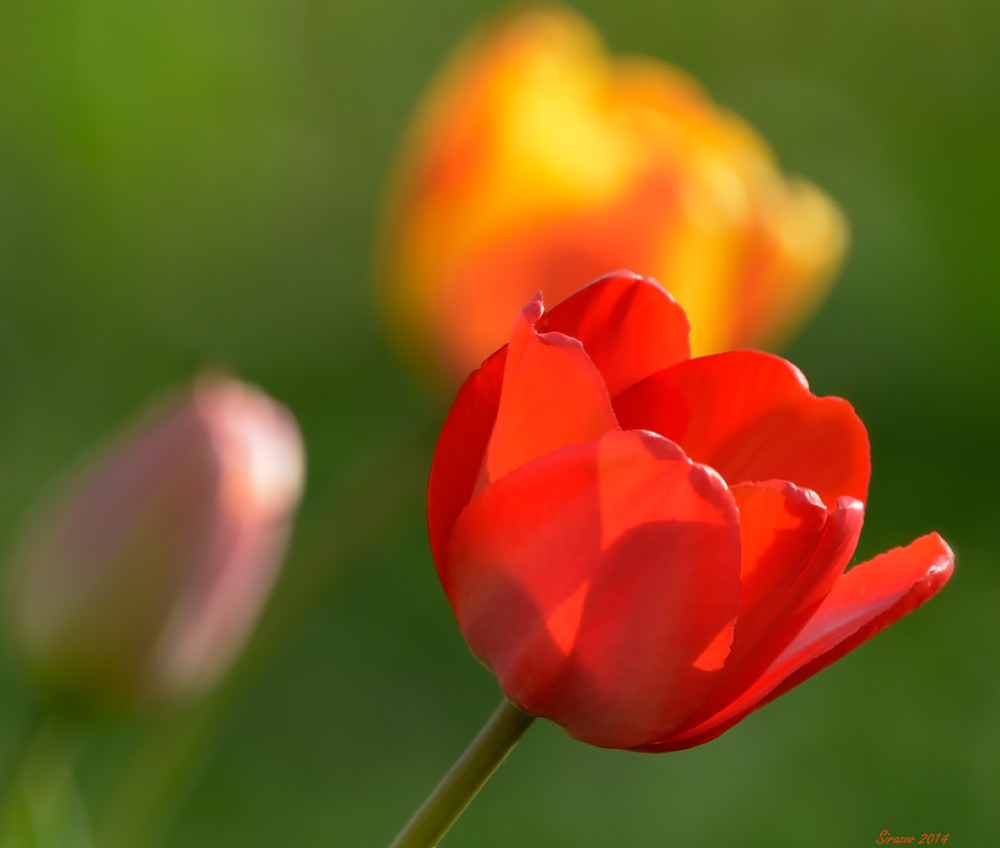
469, 774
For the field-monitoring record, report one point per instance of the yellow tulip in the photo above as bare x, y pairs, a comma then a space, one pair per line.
537, 162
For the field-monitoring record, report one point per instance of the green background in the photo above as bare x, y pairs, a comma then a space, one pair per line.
196, 182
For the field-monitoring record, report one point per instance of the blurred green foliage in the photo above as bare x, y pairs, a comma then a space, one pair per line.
186, 183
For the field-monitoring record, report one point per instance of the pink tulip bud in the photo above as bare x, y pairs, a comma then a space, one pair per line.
143, 579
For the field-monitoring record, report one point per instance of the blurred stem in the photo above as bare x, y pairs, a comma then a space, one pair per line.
469, 774
160, 774
167, 763
31, 728
41, 806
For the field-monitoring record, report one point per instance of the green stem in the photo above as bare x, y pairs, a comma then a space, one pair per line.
31, 729
157, 778
41, 804
456, 791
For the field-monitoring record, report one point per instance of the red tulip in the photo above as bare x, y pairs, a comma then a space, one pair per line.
643, 547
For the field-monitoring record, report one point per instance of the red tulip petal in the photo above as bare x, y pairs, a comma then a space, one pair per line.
461, 448
552, 396
750, 416
865, 601
600, 584
793, 553
629, 326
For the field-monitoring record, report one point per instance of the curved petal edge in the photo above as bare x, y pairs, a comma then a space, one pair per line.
865, 601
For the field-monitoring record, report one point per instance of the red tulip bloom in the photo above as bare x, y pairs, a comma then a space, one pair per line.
644, 547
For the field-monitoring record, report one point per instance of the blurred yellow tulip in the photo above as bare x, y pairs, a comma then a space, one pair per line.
536, 162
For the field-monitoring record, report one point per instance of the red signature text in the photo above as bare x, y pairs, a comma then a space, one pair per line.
886, 838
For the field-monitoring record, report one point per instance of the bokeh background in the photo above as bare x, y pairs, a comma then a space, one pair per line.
197, 182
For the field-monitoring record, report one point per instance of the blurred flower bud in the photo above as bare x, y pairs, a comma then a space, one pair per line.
536, 162
141, 582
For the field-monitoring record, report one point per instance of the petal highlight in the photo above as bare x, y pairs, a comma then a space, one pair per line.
600, 584
865, 601
552, 396
793, 552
